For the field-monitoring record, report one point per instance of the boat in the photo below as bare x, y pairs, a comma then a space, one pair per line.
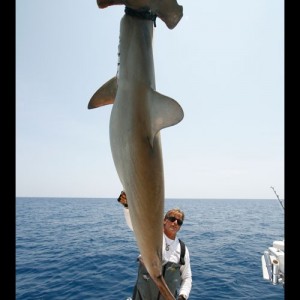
273, 259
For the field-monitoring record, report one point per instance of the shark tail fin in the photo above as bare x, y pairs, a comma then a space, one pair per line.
165, 112
106, 94
163, 288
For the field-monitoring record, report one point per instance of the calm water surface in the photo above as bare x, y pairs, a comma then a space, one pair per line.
76, 248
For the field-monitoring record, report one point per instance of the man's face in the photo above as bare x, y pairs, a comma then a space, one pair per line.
171, 223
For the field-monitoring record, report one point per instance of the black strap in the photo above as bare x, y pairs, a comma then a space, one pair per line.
182, 253
142, 14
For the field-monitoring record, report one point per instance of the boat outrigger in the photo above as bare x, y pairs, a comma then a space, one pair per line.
273, 259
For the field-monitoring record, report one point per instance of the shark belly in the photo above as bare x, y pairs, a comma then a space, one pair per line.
140, 168
136, 152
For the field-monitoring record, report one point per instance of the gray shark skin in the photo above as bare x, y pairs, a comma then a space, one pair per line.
137, 116
167, 10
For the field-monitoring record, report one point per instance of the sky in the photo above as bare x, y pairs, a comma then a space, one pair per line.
223, 63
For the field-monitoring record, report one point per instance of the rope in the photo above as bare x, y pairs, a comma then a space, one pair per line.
142, 14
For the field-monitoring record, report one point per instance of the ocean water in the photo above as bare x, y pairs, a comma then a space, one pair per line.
76, 248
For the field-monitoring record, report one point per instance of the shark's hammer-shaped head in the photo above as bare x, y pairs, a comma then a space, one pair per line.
167, 10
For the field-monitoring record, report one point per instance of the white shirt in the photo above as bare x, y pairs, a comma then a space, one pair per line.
173, 255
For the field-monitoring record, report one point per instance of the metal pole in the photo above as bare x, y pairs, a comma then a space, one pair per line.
278, 197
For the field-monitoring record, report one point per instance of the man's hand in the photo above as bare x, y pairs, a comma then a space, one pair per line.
181, 297
122, 199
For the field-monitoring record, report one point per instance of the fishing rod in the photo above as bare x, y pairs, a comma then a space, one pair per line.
280, 201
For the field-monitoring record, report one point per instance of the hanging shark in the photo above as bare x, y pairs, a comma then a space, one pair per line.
167, 10
138, 114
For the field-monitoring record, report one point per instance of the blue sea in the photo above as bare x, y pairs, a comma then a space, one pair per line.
77, 248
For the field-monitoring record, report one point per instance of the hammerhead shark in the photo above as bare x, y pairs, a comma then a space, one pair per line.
167, 10
138, 114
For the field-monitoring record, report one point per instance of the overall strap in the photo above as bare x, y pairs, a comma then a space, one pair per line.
182, 254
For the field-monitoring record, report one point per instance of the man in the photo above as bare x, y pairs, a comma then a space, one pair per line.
176, 259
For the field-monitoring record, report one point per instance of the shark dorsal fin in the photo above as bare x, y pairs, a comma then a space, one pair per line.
165, 112
106, 94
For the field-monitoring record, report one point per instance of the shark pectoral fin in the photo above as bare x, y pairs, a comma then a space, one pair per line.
106, 94
165, 112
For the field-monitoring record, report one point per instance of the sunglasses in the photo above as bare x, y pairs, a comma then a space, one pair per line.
173, 219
